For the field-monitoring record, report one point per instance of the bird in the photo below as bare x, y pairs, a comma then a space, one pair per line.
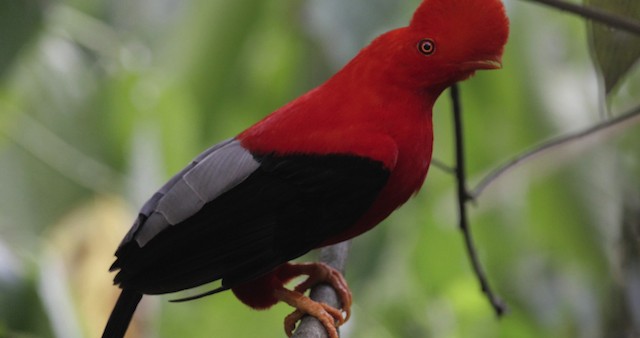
324, 168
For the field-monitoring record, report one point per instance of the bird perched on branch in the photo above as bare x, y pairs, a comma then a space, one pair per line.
322, 169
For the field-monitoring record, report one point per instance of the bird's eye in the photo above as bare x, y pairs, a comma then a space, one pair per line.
426, 46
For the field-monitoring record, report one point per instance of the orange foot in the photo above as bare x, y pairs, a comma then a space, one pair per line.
330, 317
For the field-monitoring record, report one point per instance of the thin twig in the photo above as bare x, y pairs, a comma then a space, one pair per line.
629, 118
436, 163
463, 198
336, 257
596, 14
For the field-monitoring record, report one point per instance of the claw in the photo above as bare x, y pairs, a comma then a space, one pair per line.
330, 317
323, 273
291, 320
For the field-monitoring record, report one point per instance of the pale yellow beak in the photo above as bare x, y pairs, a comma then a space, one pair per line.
483, 64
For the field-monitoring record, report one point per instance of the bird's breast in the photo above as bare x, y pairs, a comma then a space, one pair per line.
415, 147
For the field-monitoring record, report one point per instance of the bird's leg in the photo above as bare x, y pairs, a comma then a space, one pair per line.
317, 273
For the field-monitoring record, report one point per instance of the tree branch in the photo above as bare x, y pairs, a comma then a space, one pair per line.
336, 257
436, 163
463, 198
596, 14
629, 118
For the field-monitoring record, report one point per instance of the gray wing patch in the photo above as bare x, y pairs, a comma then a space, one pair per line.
212, 173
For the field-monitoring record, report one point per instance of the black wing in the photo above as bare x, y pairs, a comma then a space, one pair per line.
286, 206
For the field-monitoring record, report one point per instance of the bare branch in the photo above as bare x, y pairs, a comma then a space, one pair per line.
620, 121
336, 257
436, 163
589, 12
463, 198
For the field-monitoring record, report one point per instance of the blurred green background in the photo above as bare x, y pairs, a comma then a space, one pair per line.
101, 101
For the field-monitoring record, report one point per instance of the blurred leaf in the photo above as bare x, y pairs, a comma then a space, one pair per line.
21, 311
614, 51
218, 32
82, 244
19, 22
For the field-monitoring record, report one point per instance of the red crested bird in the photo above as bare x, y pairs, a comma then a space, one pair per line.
322, 169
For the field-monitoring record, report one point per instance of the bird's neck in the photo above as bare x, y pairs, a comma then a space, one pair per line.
369, 82
377, 78
340, 116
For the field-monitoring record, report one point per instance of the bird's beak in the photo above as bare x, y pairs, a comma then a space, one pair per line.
489, 63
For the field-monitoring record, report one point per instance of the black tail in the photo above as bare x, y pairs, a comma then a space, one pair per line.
121, 314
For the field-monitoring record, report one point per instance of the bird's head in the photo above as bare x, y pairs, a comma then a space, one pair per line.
446, 42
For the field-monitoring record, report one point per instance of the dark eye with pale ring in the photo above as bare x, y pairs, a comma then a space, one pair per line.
426, 46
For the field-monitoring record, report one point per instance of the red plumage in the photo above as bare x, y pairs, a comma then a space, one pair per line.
324, 168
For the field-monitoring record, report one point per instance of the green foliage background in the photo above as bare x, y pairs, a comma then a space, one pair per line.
101, 101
